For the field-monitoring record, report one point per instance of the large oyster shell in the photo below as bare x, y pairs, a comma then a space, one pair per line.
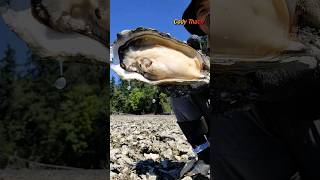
156, 58
61, 29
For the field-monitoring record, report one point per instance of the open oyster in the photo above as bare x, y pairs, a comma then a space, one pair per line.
156, 58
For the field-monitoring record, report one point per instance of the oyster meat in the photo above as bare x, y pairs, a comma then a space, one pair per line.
248, 30
156, 58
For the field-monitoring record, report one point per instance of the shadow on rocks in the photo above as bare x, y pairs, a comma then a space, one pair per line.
163, 170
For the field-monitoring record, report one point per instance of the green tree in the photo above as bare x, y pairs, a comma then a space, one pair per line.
63, 127
139, 99
164, 102
134, 103
7, 76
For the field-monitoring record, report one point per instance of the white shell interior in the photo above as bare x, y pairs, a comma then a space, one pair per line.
127, 35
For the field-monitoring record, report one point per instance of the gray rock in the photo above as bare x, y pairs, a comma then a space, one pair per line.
134, 139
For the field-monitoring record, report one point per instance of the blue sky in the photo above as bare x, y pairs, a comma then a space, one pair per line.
8, 37
157, 14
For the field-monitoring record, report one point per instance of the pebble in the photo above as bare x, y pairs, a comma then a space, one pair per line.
154, 157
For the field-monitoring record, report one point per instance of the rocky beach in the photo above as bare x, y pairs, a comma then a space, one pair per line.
147, 147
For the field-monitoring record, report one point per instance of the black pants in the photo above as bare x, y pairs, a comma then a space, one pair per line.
268, 140
192, 113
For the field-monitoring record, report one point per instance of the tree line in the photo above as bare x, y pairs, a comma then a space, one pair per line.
133, 97
40, 123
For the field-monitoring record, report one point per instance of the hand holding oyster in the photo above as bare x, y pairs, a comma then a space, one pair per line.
156, 58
